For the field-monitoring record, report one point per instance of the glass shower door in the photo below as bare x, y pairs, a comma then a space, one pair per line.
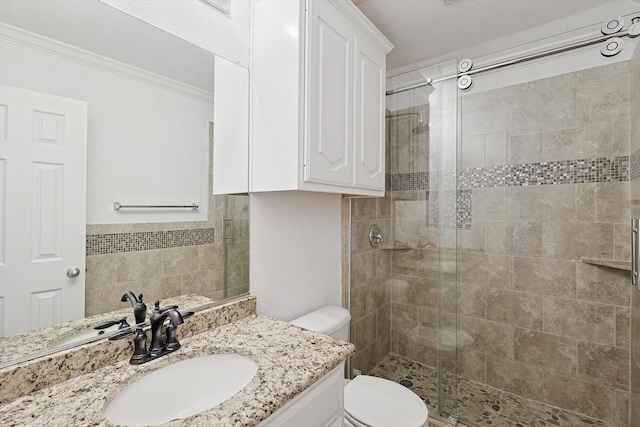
422, 138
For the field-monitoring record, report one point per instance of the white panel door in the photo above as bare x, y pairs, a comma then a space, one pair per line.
329, 96
369, 147
43, 140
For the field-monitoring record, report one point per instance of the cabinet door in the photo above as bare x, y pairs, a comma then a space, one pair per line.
369, 145
231, 128
329, 76
321, 405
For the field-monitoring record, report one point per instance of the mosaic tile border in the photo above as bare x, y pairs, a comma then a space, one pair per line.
603, 169
456, 209
102, 244
634, 166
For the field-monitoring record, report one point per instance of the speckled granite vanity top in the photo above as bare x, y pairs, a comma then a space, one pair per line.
30, 342
290, 360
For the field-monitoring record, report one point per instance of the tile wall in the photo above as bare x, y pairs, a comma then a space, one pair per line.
162, 260
635, 213
236, 240
370, 292
546, 165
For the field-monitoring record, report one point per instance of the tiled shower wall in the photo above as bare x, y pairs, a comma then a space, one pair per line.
542, 186
236, 238
370, 283
635, 213
162, 260
534, 318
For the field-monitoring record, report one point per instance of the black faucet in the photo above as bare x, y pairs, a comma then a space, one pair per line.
139, 307
157, 318
158, 347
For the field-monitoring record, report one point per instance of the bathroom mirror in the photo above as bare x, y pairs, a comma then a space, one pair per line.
149, 100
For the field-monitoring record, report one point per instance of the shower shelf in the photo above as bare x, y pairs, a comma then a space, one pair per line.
619, 265
397, 246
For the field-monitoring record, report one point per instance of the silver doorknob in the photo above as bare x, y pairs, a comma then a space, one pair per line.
73, 272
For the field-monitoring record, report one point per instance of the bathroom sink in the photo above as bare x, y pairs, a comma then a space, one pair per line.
181, 390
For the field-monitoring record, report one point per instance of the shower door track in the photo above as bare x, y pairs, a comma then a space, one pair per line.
526, 58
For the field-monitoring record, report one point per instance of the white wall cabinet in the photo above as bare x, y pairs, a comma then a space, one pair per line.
230, 128
318, 81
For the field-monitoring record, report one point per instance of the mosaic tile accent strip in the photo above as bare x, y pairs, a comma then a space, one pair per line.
603, 169
634, 166
475, 403
102, 244
412, 181
456, 210
614, 169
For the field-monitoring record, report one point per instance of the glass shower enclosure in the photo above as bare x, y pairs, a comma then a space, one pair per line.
502, 293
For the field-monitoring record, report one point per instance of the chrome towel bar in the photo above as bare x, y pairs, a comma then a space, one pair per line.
117, 206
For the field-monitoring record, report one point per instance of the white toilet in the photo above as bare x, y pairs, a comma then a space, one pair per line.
368, 401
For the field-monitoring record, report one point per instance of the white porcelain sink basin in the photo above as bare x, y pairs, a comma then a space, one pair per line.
181, 390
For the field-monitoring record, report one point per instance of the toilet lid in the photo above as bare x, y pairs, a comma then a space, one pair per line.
377, 402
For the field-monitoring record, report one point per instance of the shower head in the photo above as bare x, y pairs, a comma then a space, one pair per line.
422, 125
421, 128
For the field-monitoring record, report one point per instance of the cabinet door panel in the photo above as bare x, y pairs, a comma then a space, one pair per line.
369, 147
330, 88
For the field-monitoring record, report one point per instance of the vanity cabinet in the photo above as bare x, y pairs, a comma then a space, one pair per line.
321, 405
318, 82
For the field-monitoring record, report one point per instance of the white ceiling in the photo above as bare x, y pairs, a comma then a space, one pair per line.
424, 29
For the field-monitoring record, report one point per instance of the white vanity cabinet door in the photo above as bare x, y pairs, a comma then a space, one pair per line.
321, 405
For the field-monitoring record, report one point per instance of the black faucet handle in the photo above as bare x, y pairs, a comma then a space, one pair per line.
140, 310
109, 323
140, 354
172, 343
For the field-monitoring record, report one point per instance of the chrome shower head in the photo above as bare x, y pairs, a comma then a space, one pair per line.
421, 128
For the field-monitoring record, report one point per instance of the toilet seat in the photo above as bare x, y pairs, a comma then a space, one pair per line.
377, 402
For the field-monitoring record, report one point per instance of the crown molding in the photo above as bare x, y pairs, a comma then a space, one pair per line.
362, 22
38, 43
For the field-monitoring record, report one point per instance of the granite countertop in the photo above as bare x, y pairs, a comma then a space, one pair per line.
31, 342
289, 359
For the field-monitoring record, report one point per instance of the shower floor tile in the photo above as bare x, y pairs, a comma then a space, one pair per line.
477, 404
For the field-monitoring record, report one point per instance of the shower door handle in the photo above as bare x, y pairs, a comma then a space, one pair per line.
635, 250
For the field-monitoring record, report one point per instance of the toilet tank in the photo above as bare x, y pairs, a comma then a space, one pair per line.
329, 320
